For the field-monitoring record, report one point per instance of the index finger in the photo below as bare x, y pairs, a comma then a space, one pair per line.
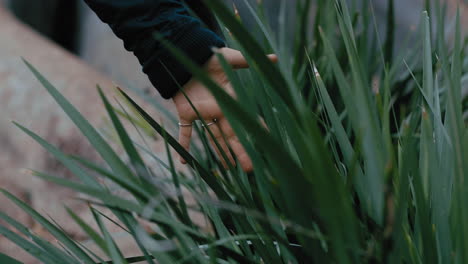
185, 134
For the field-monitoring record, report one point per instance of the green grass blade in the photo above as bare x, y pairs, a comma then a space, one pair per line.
132, 225
56, 232
96, 140
209, 178
180, 195
428, 88
8, 260
67, 162
319, 170
112, 248
113, 201
132, 153
456, 127
29, 247
56, 253
252, 48
371, 185
97, 239
338, 129
134, 188
390, 40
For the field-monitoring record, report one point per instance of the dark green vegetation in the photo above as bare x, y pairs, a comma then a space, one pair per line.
364, 159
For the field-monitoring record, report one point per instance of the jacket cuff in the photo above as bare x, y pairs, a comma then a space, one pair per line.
167, 74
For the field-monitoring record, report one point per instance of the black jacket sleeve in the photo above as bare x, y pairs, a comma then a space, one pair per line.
136, 22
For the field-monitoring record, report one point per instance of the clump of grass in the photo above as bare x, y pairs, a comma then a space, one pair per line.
363, 160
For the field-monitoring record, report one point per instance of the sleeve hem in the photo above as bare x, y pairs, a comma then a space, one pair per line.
167, 74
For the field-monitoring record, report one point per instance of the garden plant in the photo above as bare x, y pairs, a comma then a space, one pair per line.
358, 141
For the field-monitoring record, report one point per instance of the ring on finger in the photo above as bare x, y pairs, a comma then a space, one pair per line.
185, 125
191, 124
210, 123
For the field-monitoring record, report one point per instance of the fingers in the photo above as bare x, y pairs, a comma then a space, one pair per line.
233, 141
273, 58
235, 59
218, 140
238, 61
185, 133
225, 137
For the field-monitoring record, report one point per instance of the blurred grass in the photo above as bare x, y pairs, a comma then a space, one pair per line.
363, 160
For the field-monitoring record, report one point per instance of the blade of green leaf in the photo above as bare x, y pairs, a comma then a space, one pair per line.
56, 232
96, 140
8, 260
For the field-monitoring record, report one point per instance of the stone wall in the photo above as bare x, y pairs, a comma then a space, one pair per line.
24, 100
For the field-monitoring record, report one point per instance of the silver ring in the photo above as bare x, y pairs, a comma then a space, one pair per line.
207, 125
185, 125
211, 123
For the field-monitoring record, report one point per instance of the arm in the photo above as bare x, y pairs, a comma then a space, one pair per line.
136, 21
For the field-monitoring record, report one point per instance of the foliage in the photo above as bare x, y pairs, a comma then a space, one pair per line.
362, 161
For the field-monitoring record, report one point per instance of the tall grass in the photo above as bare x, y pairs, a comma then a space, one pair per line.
362, 160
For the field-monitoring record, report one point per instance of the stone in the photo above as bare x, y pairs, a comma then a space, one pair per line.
23, 99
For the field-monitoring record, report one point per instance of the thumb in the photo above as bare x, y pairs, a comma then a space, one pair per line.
237, 60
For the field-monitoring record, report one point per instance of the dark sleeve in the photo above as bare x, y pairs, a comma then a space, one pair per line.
136, 22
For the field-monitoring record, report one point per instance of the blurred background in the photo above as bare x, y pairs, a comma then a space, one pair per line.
75, 51
73, 26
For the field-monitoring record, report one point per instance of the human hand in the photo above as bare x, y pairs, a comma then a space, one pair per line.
209, 109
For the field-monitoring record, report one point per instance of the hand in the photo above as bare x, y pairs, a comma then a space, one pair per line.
209, 110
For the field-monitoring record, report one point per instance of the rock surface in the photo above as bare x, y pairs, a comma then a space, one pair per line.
24, 100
